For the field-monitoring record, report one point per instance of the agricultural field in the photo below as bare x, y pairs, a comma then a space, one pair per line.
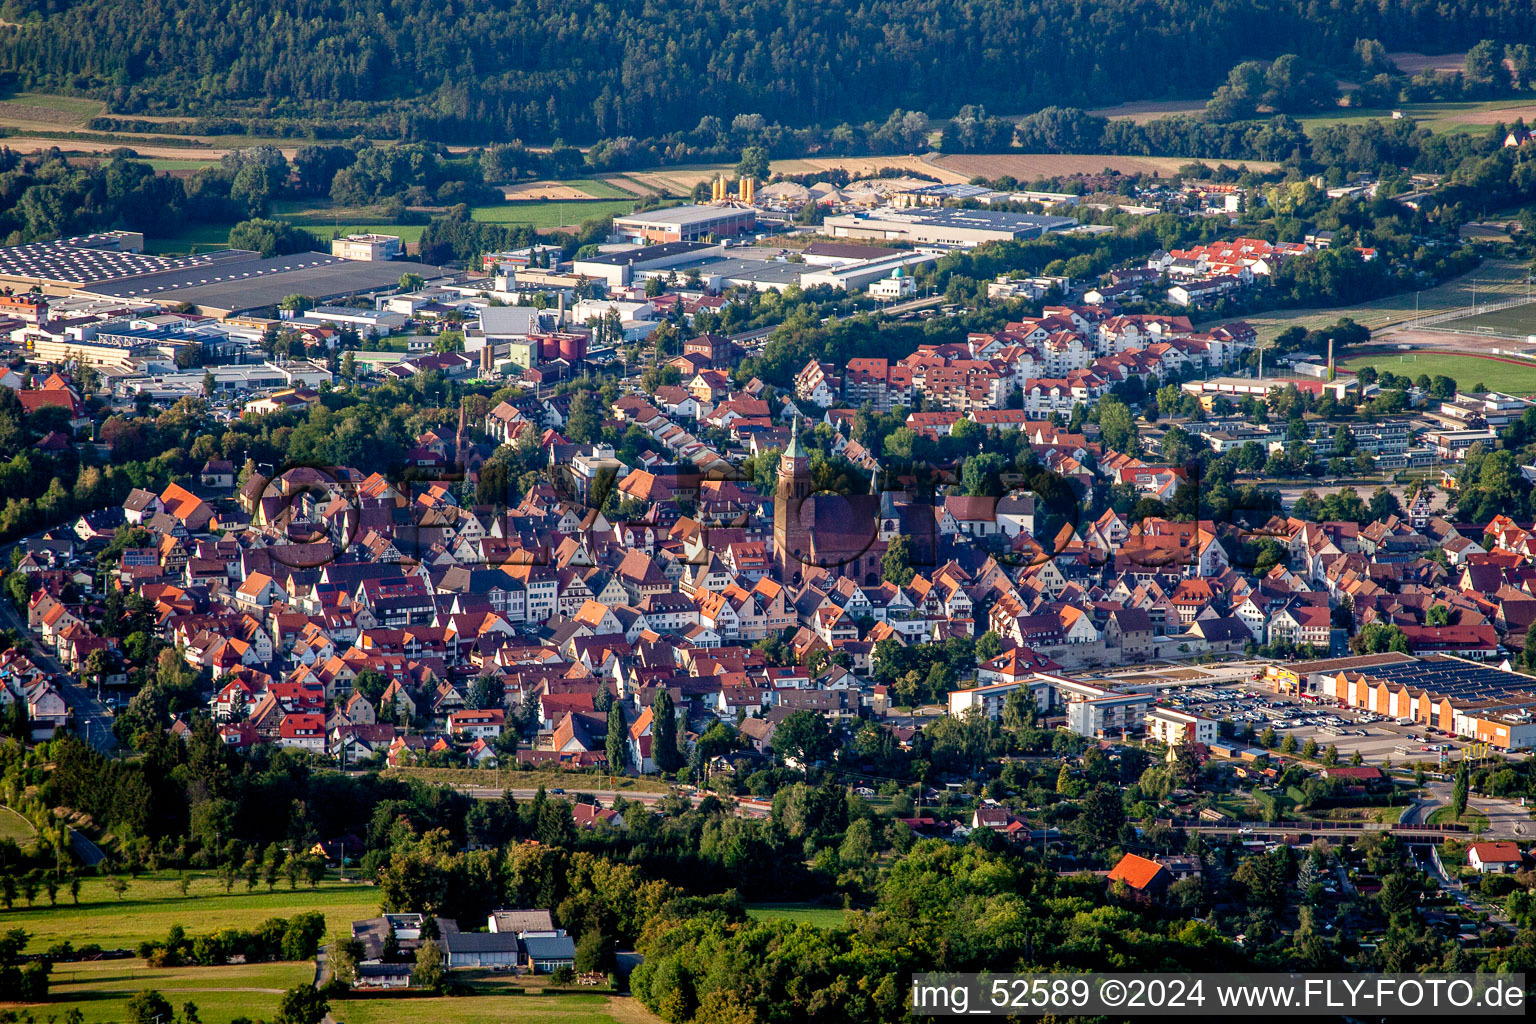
1412, 63
679, 181
576, 190
1466, 370
1493, 281
1031, 166
799, 913
100, 989
153, 903
1142, 111
45, 111
14, 827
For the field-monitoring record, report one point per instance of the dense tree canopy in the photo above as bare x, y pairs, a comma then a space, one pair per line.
531, 71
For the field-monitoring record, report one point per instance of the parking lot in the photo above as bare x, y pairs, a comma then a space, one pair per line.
1377, 738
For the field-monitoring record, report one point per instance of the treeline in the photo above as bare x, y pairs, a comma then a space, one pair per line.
522, 70
940, 907
277, 938
1363, 146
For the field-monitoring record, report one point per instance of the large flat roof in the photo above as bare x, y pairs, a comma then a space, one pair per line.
767, 272
987, 220
641, 254
253, 284
695, 214
87, 259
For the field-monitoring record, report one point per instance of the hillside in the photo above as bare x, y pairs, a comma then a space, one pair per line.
482, 70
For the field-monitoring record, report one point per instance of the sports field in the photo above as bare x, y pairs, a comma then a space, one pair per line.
152, 903
1492, 281
1514, 322
1468, 371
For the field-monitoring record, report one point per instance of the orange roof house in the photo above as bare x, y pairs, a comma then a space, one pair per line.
1147, 879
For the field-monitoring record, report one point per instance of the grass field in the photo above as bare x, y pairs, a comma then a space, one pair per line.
100, 990
82, 107
191, 163
546, 214
153, 903
323, 221
1492, 281
1459, 116
14, 827
494, 1009
1468, 371
799, 913
1515, 322
1447, 816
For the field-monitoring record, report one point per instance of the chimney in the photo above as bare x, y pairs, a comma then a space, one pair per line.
561, 322
1330, 361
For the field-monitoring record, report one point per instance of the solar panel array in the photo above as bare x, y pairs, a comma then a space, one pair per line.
90, 258
1451, 677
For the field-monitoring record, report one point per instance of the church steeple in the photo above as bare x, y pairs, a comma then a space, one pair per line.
794, 468
461, 438
791, 539
793, 451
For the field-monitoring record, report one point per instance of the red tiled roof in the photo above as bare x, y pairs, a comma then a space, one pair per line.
1137, 872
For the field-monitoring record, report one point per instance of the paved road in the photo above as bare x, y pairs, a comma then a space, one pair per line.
90, 716
1506, 818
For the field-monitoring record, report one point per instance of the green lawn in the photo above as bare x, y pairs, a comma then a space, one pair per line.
176, 163
1447, 816
13, 826
1492, 281
492, 1009
100, 990
550, 213
799, 913
192, 238
153, 903
1468, 371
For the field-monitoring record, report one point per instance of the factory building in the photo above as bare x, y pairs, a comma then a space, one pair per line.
685, 224
953, 229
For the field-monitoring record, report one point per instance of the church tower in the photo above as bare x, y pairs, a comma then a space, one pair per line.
461, 437
791, 540
890, 519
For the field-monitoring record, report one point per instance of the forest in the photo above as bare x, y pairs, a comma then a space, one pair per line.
497, 70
